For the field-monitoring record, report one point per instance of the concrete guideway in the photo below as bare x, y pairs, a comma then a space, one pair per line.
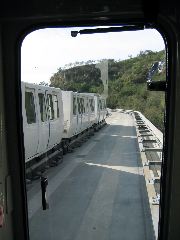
98, 192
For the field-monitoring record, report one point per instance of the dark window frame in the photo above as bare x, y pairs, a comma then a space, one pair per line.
31, 115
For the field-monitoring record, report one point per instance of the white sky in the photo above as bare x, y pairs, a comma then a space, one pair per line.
44, 51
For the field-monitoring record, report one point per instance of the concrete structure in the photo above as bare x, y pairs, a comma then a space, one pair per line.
98, 192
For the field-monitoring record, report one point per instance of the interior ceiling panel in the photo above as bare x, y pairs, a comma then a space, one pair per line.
23, 8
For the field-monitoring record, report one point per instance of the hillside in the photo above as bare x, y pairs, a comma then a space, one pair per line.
127, 83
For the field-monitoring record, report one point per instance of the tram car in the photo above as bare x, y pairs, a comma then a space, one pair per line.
43, 119
79, 113
52, 117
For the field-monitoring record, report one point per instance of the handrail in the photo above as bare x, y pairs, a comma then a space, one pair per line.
156, 132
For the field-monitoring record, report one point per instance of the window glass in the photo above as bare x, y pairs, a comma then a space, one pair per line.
91, 104
30, 108
79, 105
81, 110
99, 105
55, 106
50, 107
74, 105
87, 105
42, 107
83, 106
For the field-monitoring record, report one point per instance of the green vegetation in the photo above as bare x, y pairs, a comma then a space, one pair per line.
127, 83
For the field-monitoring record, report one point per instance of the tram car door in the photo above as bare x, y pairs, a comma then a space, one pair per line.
80, 111
43, 121
30, 120
54, 115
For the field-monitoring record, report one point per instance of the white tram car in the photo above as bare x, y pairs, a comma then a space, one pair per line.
79, 112
51, 115
43, 121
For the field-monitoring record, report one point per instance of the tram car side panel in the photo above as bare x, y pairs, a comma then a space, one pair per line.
42, 119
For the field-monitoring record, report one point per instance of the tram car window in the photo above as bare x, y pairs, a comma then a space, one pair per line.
30, 108
74, 105
91, 101
42, 106
50, 107
87, 105
83, 104
55, 106
79, 105
90, 104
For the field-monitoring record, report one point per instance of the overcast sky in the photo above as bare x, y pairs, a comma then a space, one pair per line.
44, 51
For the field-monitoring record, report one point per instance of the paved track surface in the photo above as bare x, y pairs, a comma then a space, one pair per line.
98, 192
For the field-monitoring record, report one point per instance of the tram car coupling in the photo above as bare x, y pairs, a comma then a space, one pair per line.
55, 122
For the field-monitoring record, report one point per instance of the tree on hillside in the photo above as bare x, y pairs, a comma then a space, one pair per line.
127, 83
